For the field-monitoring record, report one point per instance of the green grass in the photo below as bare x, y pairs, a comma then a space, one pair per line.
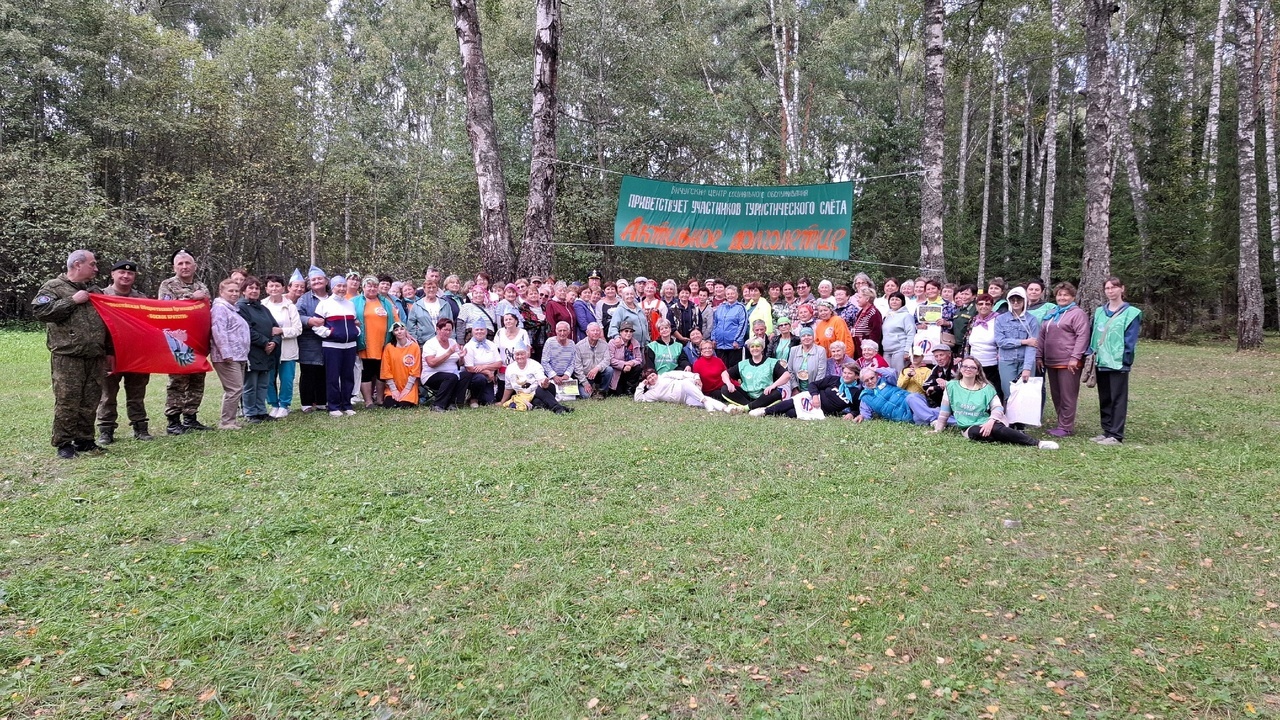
634, 560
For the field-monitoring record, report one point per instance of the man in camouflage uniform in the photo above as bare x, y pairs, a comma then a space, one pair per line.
185, 391
123, 275
80, 351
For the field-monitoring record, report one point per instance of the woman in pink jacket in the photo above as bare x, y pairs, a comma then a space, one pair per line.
1063, 342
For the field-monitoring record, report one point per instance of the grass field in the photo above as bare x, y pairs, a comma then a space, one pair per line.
647, 561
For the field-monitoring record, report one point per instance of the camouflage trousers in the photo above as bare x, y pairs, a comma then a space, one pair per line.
77, 389
184, 394
135, 397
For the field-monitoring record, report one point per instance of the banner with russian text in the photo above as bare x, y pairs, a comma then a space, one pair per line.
167, 337
793, 220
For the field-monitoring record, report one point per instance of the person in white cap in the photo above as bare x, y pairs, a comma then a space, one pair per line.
1016, 341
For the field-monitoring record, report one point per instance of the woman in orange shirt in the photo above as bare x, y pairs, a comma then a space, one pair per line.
401, 366
829, 328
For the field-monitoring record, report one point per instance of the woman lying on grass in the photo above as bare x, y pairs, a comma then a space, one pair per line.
978, 410
675, 386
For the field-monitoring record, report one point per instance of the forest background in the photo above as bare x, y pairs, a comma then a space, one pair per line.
241, 129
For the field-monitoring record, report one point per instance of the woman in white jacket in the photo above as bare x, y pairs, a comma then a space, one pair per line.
286, 316
675, 386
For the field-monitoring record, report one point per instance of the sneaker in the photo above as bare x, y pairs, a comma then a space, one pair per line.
758, 412
1109, 441
1097, 438
253, 419
1058, 432
437, 408
348, 412
335, 413
66, 451
228, 426
735, 409
307, 408
1048, 445
474, 404
284, 412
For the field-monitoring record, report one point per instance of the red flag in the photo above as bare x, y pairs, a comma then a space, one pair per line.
167, 337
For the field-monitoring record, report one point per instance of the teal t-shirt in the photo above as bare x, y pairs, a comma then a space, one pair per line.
970, 407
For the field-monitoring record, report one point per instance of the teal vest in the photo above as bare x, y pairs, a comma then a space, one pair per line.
1108, 336
665, 356
755, 378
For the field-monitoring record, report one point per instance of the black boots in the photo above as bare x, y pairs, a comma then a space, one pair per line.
140, 431
106, 436
189, 423
175, 424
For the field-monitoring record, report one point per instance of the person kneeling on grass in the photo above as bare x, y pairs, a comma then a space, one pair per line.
401, 366
881, 398
528, 386
836, 395
978, 410
675, 386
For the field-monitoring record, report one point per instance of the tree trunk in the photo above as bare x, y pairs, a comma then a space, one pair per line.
1006, 159
1249, 279
536, 248
1050, 152
495, 225
1209, 150
1024, 168
1189, 98
784, 30
1095, 266
986, 177
1269, 76
1137, 189
932, 259
962, 159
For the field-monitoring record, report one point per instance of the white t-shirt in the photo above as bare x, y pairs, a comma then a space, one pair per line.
982, 342
434, 348
507, 346
483, 355
527, 378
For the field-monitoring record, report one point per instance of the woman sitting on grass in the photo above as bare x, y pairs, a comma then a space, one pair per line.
528, 386
763, 380
978, 410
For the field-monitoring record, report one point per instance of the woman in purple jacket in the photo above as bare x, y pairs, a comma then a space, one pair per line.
1063, 342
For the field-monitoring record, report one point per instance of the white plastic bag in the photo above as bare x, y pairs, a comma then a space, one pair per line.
1023, 403
807, 407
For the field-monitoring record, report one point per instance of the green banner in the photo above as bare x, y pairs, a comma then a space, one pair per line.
793, 220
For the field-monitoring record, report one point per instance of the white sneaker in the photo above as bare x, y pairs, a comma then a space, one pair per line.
335, 413
349, 412
307, 408
284, 412
713, 405
758, 412
1048, 445
1097, 438
1109, 441
273, 412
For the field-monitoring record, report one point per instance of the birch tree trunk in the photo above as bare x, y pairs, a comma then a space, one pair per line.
1269, 124
1006, 158
932, 259
1209, 150
1189, 98
1024, 168
962, 159
482, 132
986, 179
1137, 188
1050, 151
784, 30
536, 249
1249, 279
1095, 266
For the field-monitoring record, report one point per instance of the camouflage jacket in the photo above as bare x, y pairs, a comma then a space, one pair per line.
175, 289
73, 329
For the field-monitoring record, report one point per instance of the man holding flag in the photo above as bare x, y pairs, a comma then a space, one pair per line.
123, 275
185, 392
80, 352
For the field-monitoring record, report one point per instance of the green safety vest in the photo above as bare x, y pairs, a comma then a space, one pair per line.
1108, 336
755, 378
665, 356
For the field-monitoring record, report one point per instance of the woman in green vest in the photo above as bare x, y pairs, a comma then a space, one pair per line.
664, 354
1116, 325
761, 378
979, 414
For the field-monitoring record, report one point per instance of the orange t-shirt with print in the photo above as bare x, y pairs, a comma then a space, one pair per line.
403, 365
375, 322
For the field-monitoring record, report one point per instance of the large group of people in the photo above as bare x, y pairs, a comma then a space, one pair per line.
915, 350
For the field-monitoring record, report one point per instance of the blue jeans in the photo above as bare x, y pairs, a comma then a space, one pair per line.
282, 374
253, 401
601, 384
1009, 372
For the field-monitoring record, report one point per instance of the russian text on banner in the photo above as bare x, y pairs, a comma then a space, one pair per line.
165, 337
793, 220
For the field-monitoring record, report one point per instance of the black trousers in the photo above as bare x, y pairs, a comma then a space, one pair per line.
1113, 401
993, 376
730, 356
1000, 433
450, 389
311, 385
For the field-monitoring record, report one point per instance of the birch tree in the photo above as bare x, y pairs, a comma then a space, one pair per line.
1249, 279
932, 259
1050, 149
1095, 266
1269, 127
784, 31
482, 132
986, 175
536, 248
1209, 149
